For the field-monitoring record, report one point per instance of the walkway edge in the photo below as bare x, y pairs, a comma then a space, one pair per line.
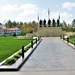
69, 44
17, 66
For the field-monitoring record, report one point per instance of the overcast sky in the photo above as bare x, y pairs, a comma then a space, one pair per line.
27, 10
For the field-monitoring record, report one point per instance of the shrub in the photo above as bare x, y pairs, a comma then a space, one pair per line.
20, 53
14, 34
10, 61
27, 47
16, 56
34, 41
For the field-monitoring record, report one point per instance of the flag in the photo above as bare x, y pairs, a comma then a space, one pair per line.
59, 16
48, 12
38, 17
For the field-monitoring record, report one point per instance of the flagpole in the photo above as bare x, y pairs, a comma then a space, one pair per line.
38, 22
59, 19
59, 16
48, 13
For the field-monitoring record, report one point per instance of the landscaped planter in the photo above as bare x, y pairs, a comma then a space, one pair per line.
68, 42
19, 60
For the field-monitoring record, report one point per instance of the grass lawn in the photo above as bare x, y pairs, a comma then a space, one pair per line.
9, 45
72, 40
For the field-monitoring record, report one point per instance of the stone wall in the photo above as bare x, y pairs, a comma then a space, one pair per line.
50, 31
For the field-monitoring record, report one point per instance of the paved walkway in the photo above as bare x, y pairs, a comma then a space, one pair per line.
51, 55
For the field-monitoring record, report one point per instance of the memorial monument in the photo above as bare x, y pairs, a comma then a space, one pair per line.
50, 28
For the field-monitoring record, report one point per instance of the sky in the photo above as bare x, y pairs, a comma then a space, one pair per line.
28, 10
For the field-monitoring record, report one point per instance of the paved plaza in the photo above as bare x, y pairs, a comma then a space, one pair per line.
51, 57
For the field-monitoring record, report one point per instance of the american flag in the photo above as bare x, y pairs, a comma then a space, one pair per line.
59, 16
48, 12
38, 17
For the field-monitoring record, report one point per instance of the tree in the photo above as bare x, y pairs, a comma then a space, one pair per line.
44, 23
58, 23
9, 24
64, 24
53, 23
0, 23
73, 23
34, 26
21, 23
29, 30
49, 23
14, 24
14, 34
40, 22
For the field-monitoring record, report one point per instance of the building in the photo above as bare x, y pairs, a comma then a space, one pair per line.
9, 31
1, 32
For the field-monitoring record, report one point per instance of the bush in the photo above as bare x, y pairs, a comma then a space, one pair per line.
20, 53
72, 36
16, 56
34, 41
10, 61
27, 47
14, 34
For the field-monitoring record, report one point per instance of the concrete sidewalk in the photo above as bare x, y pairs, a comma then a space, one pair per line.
40, 73
51, 57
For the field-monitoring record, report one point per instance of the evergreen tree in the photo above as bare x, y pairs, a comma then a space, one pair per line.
40, 22
14, 24
53, 23
44, 23
49, 23
58, 23
9, 24
73, 23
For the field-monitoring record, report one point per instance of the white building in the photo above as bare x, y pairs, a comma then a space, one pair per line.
10, 31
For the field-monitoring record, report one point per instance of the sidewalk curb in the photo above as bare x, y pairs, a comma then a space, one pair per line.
16, 68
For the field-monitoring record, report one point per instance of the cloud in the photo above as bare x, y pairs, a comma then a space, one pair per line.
19, 19
68, 5
9, 8
28, 9
57, 5
29, 12
55, 15
63, 16
3, 19
18, 12
52, 14
66, 15
44, 12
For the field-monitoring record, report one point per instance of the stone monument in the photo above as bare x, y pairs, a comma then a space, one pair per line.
49, 29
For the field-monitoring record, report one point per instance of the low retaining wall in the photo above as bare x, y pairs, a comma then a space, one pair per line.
18, 64
50, 31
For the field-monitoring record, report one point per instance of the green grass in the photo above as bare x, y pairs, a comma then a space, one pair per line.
71, 40
9, 45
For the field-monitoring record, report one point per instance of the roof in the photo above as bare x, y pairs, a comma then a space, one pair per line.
10, 28
1, 29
